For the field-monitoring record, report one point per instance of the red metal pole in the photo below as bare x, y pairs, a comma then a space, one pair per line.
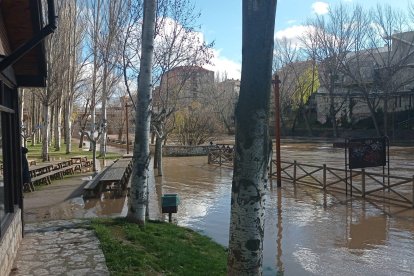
276, 83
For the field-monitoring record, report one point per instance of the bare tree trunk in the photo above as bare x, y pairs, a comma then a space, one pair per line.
34, 121
21, 108
308, 126
103, 108
158, 156
81, 141
373, 115
141, 155
68, 126
45, 128
57, 126
253, 144
52, 108
41, 124
332, 112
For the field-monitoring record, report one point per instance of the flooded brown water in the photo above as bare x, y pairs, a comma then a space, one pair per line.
308, 232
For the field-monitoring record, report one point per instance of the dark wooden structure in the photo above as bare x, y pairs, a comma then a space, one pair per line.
221, 154
22, 64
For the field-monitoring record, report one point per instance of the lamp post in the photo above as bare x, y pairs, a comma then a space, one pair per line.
276, 83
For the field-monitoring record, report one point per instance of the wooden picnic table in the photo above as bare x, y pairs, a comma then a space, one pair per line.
114, 177
45, 172
79, 159
113, 174
40, 169
122, 163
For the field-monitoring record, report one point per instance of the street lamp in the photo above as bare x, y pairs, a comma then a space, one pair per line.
276, 83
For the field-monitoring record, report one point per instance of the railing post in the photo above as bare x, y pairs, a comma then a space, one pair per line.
294, 172
363, 182
324, 176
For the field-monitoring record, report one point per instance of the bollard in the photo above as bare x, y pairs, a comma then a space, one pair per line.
294, 172
324, 176
363, 183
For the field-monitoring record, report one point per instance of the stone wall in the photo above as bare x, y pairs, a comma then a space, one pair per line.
9, 244
183, 150
169, 150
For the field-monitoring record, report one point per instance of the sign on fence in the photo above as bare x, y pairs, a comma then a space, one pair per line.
367, 152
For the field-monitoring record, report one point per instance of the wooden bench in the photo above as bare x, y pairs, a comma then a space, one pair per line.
43, 178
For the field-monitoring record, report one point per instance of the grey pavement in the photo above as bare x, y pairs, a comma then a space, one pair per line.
61, 247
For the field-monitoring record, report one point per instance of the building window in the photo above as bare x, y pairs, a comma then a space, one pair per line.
10, 156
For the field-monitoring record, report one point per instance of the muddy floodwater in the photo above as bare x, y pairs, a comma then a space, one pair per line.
308, 231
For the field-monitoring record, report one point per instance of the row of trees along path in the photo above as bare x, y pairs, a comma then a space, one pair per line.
93, 51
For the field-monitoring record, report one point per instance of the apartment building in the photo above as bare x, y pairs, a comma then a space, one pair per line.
384, 76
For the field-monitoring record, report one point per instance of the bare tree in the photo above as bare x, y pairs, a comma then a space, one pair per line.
220, 100
327, 42
196, 124
358, 64
138, 198
177, 45
393, 53
253, 144
299, 78
94, 27
110, 51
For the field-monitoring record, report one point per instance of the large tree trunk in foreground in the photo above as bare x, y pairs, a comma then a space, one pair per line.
141, 157
253, 144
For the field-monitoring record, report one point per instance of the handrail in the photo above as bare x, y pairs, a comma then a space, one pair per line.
400, 189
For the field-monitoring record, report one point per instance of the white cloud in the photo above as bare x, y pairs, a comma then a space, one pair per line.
293, 34
222, 65
320, 8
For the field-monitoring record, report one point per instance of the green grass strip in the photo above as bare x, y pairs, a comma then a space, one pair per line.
35, 152
158, 249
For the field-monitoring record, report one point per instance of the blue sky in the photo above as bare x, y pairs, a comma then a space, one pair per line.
221, 21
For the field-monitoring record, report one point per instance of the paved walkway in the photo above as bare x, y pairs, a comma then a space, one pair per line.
62, 247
